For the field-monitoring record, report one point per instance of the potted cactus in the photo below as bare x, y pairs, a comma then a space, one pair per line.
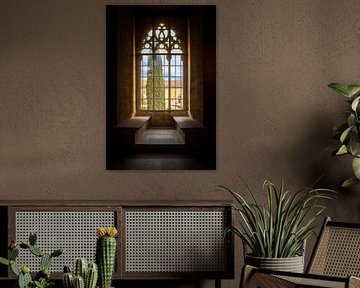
106, 254
85, 275
42, 278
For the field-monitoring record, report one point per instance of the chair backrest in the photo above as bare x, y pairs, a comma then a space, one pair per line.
337, 251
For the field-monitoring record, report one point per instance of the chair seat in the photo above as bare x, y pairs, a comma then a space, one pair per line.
335, 262
268, 279
315, 281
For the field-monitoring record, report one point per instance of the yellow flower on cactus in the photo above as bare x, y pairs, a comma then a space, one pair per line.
106, 231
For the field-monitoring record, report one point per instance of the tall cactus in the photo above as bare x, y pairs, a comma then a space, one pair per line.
106, 254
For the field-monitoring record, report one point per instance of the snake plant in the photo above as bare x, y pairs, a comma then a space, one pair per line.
348, 132
279, 228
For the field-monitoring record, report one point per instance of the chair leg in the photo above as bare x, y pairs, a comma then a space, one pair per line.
246, 273
217, 283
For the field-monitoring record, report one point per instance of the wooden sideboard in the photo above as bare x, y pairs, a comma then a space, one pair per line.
157, 240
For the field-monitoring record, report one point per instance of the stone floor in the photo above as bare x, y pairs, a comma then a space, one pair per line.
160, 137
161, 149
160, 161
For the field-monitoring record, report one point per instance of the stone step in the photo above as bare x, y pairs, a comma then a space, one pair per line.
153, 136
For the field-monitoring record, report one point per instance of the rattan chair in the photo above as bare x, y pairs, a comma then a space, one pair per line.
335, 262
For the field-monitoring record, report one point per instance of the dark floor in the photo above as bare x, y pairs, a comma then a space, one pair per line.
161, 149
160, 161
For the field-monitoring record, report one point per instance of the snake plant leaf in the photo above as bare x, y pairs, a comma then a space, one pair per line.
345, 134
353, 89
356, 167
342, 150
278, 228
355, 103
340, 88
349, 182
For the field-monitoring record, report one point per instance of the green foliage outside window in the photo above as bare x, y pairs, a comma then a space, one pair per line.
155, 86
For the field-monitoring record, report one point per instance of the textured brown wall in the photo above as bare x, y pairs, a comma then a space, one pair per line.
124, 63
275, 113
196, 65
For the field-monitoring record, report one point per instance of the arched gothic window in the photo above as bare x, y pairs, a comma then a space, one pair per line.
161, 68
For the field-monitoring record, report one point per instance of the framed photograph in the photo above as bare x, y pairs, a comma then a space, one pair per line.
161, 87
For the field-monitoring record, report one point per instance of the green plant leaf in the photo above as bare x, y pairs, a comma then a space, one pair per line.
4, 261
345, 134
279, 228
349, 182
340, 88
354, 145
355, 103
351, 120
353, 89
356, 167
342, 150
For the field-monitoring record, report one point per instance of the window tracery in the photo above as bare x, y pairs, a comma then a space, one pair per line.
161, 62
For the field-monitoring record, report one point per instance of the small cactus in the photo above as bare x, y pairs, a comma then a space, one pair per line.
42, 278
24, 246
79, 282
45, 261
13, 253
32, 238
57, 252
106, 254
67, 269
84, 274
4, 261
14, 268
24, 277
68, 280
80, 268
91, 276
36, 251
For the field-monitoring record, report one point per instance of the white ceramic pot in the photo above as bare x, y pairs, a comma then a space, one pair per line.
291, 264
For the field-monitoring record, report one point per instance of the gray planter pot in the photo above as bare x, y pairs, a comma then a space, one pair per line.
291, 264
